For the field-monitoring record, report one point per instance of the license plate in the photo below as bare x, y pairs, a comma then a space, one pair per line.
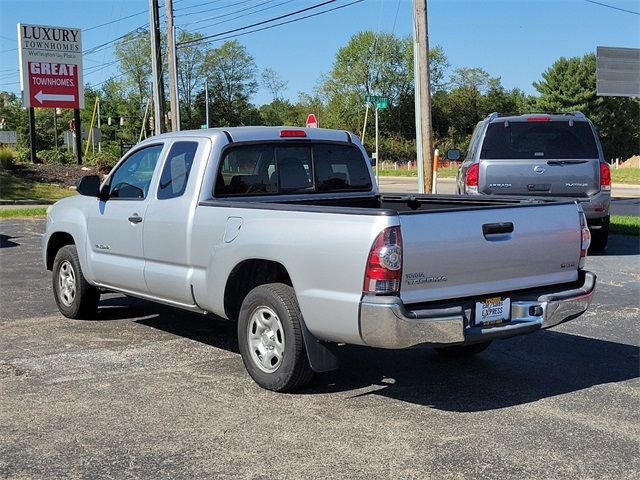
493, 311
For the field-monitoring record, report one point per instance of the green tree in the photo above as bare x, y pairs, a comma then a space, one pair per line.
134, 54
272, 82
191, 76
570, 84
231, 73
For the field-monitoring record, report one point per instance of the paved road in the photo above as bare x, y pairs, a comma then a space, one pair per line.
150, 392
626, 198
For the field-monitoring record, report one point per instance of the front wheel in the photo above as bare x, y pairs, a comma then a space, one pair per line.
463, 350
270, 338
75, 297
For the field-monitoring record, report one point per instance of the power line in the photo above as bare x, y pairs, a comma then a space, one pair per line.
200, 40
613, 7
215, 8
287, 22
245, 11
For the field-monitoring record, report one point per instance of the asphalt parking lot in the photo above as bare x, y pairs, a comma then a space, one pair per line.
146, 391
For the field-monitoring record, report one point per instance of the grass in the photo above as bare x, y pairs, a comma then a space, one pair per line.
12, 188
404, 172
626, 175
23, 212
622, 175
623, 225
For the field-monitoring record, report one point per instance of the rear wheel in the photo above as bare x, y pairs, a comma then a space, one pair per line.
463, 350
270, 338
600, 236
75, 297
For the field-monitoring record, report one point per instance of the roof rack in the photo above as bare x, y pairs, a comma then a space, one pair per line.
494, 115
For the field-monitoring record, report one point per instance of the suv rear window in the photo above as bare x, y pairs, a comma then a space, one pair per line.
537, 140
278, 168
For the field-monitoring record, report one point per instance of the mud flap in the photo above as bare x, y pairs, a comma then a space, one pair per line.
321, 356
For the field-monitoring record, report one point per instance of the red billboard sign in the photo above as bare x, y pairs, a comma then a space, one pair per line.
53, 85
50, 66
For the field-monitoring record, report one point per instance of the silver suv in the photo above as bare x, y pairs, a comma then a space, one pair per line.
540, 154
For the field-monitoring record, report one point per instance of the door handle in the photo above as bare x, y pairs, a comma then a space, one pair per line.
497, 228
135, 218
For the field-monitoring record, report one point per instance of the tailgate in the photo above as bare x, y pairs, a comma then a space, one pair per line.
562, 177
473, 252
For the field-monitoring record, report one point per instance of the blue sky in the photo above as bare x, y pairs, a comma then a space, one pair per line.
515, 40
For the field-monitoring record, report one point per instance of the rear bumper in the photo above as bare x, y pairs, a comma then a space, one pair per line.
386, 323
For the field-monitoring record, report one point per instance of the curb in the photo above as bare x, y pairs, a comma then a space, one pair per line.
26, 202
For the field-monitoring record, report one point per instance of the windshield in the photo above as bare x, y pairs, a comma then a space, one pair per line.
538, 140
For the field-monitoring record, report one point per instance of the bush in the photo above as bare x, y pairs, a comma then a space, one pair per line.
23, 155
396, 148
105, 161
59, 157
7, 158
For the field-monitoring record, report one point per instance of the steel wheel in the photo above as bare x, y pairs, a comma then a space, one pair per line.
265, 336
67, 283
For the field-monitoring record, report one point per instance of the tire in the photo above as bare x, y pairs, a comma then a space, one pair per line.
270, 338
600, 237
75, 297
458, 351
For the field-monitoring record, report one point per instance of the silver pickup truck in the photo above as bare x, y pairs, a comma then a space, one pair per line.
283, 230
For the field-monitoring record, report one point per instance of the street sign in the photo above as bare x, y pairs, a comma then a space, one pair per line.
50, 66
376, 99
8, 137
618, 71
312, 122
381, 105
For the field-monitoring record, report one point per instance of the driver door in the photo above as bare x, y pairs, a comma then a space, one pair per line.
115, 225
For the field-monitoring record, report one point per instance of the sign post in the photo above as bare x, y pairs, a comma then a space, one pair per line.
51, 72
381, 103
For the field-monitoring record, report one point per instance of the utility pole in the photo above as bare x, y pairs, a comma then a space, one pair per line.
156, 64
173, 66
424, 146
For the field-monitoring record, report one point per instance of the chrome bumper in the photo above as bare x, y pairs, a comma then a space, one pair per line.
386, 323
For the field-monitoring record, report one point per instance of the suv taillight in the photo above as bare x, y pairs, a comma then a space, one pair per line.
585, 237
471, 179
384, 265
605, 176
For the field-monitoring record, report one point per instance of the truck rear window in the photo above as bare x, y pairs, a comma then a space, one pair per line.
291, 168
537, 140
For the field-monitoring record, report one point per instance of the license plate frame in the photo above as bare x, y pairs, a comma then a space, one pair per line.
492, 311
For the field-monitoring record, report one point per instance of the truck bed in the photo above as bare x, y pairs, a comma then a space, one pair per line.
457, 246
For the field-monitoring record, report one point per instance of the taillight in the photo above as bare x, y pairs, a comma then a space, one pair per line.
384, 265
471, 179
605, 176
538, 119
585, 237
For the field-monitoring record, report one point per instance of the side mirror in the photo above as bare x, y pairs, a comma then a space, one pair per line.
89, 186
454, 154
372, 161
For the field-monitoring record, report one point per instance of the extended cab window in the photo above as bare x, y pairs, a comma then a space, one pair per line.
274, 168
539, 140
132, 178
177, 167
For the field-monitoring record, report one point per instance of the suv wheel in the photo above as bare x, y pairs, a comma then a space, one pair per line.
600, 236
